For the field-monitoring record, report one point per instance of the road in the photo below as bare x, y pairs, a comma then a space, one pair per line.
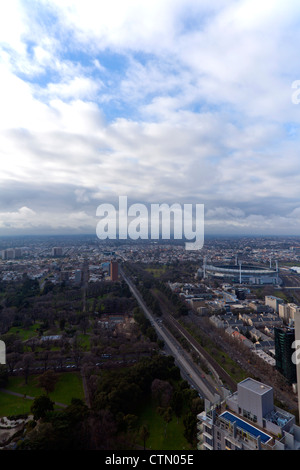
188, 369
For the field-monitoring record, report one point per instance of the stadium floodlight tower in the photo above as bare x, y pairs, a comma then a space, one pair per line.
240, 263
204, 267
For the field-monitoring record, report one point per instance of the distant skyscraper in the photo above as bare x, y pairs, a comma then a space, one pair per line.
297, 361
9, 253
114, 270
78, 276
284, 339
18, 253
57, 251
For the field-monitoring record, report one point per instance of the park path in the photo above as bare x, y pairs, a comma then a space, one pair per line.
22, 395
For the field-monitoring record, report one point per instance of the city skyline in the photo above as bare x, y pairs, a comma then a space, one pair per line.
162, 102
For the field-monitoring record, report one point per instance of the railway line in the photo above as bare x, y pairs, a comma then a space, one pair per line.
222, 379
217, 369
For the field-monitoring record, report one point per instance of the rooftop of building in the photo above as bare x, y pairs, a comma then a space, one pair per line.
246, 427
255, 386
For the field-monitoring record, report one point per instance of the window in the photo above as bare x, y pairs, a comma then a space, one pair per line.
208, 441
228, 443
208, 430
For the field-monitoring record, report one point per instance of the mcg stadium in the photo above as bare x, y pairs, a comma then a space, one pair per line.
240, 273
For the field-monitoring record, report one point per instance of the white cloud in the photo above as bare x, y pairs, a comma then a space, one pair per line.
82, 88
199, 109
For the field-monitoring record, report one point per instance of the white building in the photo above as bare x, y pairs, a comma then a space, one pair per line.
247, 420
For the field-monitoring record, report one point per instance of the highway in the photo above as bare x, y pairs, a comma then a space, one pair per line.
188, 369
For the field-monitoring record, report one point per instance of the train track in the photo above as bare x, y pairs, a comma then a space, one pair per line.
222, 374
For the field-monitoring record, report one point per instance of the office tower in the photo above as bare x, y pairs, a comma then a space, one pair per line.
9, 253
114, 271
78, 276
17, 253
56, 251
284, 339
296, 355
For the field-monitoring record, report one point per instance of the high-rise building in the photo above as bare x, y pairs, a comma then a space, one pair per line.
296, 355
287, 311
78, 276
9, 253
56, 251
114, 270
247, 420
273, 302
18, 252
284, 339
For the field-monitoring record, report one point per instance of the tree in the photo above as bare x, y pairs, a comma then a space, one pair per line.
41, 406
161, 391
144, 434
26, 364
3, 375
166, 414
12, 359
190, 427
177, 403
48, 380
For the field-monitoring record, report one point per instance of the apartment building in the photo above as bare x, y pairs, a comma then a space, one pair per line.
273, 302
247, 420
284, 348
288, 311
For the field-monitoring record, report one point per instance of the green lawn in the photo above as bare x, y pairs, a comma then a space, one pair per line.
25, 333
158, 440
10, 405
68, 386
84, 340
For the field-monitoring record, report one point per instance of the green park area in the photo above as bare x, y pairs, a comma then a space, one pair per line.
157, 271
162, 435
17, 396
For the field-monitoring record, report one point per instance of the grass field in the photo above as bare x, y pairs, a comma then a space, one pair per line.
25, 333
172, 439
68, 386
10, 405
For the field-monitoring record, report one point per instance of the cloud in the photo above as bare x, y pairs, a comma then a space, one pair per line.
162, 101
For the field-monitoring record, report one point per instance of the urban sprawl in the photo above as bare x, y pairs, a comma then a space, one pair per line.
227, 316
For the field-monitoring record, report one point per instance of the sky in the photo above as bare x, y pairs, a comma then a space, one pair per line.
162, 101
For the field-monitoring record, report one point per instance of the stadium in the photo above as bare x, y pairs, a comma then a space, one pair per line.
241, 273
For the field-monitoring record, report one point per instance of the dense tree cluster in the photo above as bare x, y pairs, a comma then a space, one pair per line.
147, 284
112, 420
117, 396
26, 327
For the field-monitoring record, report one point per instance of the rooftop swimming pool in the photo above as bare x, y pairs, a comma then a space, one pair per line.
246, 427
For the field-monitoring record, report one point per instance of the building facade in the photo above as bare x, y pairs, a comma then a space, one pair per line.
284, 341
273, 302
114, 270
247, 420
